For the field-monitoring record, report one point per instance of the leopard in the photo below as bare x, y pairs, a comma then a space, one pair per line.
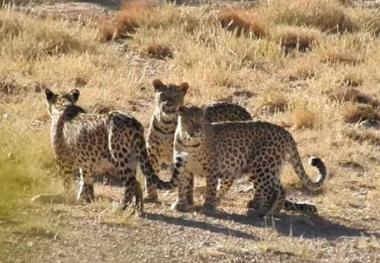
97, 143
160, 137
232, 149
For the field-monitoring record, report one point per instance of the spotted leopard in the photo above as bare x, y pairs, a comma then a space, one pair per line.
94, 143
227, 150
168, 97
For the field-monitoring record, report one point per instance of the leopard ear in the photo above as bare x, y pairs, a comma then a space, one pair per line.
74, 95
157, 84
49, 95
184, 87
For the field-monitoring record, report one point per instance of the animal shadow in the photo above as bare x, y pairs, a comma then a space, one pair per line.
297, 225
179, 221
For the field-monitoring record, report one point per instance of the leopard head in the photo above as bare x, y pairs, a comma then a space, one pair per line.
59, 103
169, 97
192, 121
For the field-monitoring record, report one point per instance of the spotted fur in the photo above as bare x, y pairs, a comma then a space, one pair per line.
164, 123
96, 143
227, 150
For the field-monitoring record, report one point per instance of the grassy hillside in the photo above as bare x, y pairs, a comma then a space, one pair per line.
310, 66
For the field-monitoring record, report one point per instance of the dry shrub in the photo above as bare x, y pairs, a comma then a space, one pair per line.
125, 22
328, 16
272, 101
354, 113
300, 71
159, 51
299, 38
351, 94
336, 55
303, 116
241, 22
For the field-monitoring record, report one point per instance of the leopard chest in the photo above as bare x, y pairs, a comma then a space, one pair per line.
161, 145
198, 159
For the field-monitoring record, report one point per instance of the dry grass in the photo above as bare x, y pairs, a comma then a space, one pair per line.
272, 101
301, 69
241, 23
328, 16
354, 113
341, 56
26, 38
352, 79
351, 94
125, 22
159, 51
363, 136
303, 116
297, 38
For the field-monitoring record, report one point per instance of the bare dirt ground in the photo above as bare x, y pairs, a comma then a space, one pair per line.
346, 230
94, 233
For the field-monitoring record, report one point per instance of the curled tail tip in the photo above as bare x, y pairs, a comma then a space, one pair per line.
315, 161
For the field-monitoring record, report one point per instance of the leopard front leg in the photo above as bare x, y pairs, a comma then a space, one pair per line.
210, 197
190, 192
67, 172
86, 186
224, 186
151, 190
185, 189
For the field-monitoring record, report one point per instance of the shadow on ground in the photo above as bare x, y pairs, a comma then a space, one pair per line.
178, 221
290, 225
297, 225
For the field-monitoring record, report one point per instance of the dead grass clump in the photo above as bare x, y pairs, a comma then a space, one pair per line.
297, 38
125, 22
159, 51
241, 23
301, 72
328, 16
352, 94
10, 26
354, 113
335, 56
272, 101
303, 117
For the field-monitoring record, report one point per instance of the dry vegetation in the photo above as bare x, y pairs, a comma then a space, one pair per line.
241, 23
327, 97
